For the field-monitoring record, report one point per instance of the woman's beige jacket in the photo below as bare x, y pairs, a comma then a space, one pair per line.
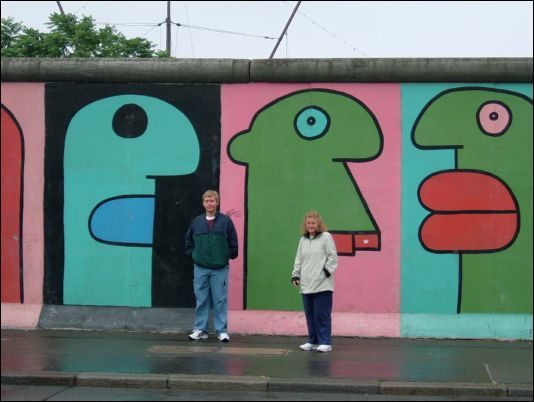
314, 254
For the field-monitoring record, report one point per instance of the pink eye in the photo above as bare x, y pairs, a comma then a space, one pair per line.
494, 118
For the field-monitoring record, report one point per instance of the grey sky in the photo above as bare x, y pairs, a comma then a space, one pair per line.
319, 30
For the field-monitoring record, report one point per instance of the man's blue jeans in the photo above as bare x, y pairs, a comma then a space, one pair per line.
211, 290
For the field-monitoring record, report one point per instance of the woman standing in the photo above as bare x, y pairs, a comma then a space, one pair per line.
315, 262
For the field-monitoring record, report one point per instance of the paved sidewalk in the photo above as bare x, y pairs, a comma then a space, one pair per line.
267, 363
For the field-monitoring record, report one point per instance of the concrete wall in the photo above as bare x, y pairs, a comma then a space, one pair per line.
421, 168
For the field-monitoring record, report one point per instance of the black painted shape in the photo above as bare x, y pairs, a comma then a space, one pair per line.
177, 200
130, 121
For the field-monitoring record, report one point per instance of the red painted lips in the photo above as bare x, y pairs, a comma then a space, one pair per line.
472, 211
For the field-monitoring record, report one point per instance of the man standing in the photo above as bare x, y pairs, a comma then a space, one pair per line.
211, 241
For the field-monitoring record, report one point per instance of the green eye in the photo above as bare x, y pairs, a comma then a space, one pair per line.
312, 122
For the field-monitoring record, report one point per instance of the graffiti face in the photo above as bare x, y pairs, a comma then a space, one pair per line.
113, 149
481, 209
296, 151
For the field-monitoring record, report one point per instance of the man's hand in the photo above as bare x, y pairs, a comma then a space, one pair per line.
295, 281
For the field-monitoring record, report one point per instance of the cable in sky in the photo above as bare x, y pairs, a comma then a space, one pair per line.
190, 36
331, 33
82, 7
129, 24
285, 29
223, 31
151, 29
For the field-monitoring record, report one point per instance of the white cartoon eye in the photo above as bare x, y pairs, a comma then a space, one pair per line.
494, 118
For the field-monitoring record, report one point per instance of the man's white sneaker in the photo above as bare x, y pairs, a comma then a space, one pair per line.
198, 334
223, 337
324, 348
308, 346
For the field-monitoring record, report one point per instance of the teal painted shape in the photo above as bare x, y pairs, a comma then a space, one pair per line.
99, 165
467, 326
312, 122
429, 282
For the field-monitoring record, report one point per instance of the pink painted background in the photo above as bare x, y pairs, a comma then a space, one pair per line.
370, 281
26, 102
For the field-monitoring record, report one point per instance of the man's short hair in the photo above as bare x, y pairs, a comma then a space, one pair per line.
211, 193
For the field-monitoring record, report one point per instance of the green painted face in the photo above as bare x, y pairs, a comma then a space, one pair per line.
306, 125
488, 217
296, 151
485, 126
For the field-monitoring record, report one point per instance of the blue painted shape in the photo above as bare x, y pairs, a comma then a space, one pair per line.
124, 221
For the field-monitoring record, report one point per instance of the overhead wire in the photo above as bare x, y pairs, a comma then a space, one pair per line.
176, 43
160, 41
190, 36
153, 25
130, 24
82, 7
330, 32
216, 30
151, 29
223, 31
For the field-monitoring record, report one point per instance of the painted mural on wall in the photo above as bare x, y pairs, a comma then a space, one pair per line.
296, 152
427, 189
134, 160
467, 219
22, 194
12, 196
481, 209
296, 147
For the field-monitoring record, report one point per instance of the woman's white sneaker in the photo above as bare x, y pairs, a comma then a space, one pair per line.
324, 348
308, 346
223, 337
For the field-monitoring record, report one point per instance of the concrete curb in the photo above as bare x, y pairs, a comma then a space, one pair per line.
126, 380
520, 390
436, 388
324, 385
252, 383
218, 382
38, 378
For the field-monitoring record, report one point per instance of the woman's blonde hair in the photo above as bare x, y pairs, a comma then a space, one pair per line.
321, 226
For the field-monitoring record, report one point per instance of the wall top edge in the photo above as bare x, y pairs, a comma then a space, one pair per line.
289, 60
513, 69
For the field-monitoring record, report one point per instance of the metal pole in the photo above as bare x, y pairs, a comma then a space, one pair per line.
284, 31
168, 21
60, 8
